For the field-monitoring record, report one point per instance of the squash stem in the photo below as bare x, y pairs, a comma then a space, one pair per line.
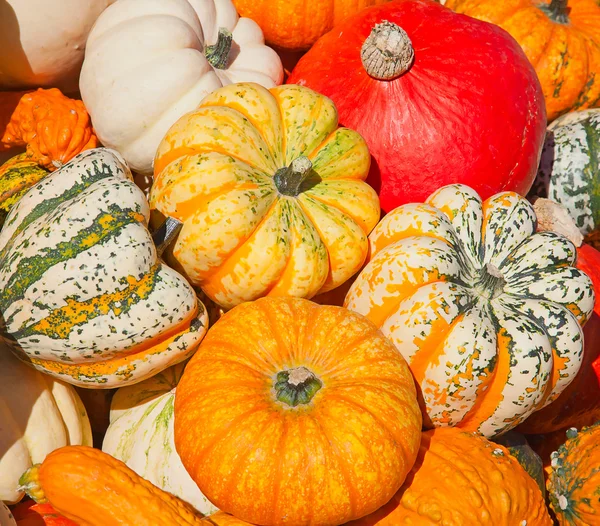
218, 54
557, 11
289, 179
387, 52
165, 234
491, 283
296, 386
30, 484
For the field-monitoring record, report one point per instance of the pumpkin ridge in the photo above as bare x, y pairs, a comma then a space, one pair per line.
277, 468
346, 211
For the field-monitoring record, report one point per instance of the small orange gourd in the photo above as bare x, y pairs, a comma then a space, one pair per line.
54, 128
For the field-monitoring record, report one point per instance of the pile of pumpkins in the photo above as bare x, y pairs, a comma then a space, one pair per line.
299, 262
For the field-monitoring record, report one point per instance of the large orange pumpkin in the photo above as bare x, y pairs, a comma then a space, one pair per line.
462, 479
296, 413
561, 38
297, 24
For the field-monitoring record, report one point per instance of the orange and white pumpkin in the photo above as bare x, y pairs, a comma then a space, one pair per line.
487, 312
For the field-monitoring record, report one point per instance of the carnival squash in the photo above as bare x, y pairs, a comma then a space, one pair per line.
459, 479
148, 62
17, 175
296, 413
54, 128
297, 24
270, 192
30, 513
83, 295
439, 98
570, 169
486, 311
43, 41
574, 478
561, 38
37, 415
141, 435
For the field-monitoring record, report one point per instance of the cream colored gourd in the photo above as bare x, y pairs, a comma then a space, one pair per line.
43, 41
141, 435
148, 62
38, 414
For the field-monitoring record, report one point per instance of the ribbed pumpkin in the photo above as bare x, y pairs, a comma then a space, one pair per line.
561, 38
31, 514
54, 128
486, 311
83, 294
95, 489
574, 478
141, 435
439, 98
37, 415
270, 192
461, 478
570, 168
17, 175
297, 24
296, 413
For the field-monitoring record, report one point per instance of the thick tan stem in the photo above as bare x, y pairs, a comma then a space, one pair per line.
554, 217
387, 53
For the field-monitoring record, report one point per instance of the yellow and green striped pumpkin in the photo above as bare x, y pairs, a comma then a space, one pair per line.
270, 191
486, 311
83, 295
141, 435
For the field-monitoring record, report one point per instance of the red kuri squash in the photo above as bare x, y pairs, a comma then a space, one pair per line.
439, 97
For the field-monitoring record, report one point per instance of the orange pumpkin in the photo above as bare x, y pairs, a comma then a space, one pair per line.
461, 478
561, 38
296, 413
297, 24
54, 128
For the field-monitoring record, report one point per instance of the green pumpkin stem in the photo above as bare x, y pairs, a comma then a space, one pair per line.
288, 180
165, 234
296, 386
558, 11
30, 484
218, 54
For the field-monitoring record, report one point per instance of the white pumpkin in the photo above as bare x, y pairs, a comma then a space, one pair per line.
38, 414
43, 41
148, 62
141, 435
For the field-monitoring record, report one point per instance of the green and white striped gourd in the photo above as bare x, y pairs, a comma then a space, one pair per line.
569, 171
486, 311
83, 294
141, 435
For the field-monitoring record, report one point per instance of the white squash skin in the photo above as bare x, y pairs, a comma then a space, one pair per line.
6, 517
141, 435
37, 416
145, 68
43, 41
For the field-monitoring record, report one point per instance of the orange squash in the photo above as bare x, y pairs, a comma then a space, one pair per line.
461, 478
297, 24
574, 478
561, 38
54, 128
296, 413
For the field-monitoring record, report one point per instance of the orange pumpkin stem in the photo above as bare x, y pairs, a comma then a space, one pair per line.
296, 386
387, 53
288, 180
218, 54
558, 11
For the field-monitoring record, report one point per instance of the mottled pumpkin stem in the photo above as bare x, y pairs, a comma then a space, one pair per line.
491, 283
296, 386
165, 234
218, 54
558, 11
30, 484
288, 180
387, 53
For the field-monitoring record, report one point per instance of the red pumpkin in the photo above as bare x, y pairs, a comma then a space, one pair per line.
28, 513
466, 108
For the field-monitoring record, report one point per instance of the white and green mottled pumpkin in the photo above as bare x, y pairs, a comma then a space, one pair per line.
141, 435
486, 311
83, 294
38, 414
569, 171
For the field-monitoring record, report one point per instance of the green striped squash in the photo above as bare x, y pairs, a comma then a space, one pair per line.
17, 175
569, 171
83, 294
141, 435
